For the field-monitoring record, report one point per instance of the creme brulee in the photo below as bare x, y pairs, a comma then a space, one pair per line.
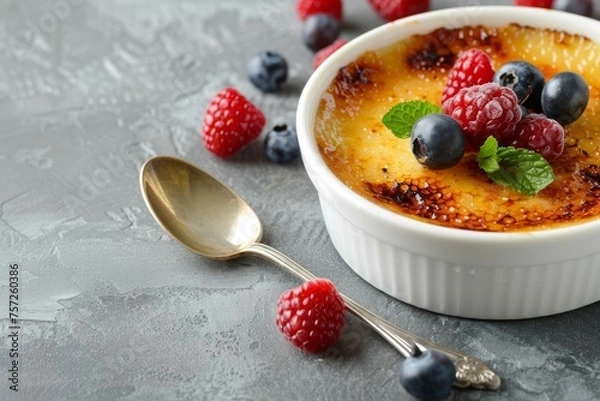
368, 158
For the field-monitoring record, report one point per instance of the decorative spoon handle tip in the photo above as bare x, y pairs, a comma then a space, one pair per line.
470, 371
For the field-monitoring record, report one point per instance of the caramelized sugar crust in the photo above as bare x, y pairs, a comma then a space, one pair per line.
368, 158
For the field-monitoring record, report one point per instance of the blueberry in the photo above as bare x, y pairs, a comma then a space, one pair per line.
565, 97
525, 79
320, 30
281, 144
583, 7
427, 375
438, 141
267, 71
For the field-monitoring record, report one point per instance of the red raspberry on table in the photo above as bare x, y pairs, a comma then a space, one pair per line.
484, 110
230, 123
322, 54
541, 134
306, 8
311, 316
472, 67
534, 3
391, 10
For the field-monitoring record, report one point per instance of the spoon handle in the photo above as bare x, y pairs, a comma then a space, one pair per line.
470, 371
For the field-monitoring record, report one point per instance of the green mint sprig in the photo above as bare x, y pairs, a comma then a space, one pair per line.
522, 170
401, 118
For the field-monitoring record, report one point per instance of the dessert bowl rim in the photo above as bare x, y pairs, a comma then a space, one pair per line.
346, 201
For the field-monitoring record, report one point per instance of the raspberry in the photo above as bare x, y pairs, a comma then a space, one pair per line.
472, 67
484, 110
391, 10
311, 316
541, 134
322, 54
306, 8
230, 123
534, 3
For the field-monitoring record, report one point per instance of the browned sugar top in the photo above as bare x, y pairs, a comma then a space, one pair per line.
368, 158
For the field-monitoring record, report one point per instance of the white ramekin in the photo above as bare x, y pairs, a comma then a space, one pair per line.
456, 272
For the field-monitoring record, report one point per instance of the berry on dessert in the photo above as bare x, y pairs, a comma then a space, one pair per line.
472, 67
427, 375
324, 53
534, 3
583, 7
484, 110
542, 135
391, 10
306, 8
437, 141
281, 144
525, 79
230, 123
311, 316
320, 30
565, 97
268, 71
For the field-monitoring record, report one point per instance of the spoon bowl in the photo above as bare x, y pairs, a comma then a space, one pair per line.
210, 219
202, 213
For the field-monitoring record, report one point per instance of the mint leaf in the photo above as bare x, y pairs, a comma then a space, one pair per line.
401, 118
488, 155
522, 170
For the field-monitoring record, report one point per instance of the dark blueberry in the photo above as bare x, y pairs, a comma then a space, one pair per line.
524, 111
437, 141
281, 144
525, 79
583, 7
268, 71
427, 375
565, 97
320, 30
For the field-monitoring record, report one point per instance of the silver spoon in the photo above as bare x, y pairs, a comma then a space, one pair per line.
212, 220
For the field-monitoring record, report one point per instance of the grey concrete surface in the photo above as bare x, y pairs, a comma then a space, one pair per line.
110, 308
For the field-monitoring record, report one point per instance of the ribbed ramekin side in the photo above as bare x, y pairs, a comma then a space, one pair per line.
504, 292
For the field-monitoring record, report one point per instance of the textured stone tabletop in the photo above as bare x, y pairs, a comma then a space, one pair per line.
111, 308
